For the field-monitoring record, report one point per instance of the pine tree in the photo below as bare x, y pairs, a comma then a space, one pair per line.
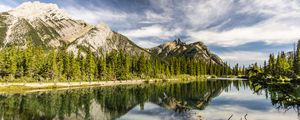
90, 65
142, 64
60, 65
278, 65
284, 64
236, 70
12, 63
76, 69
168, 74
20, 59
28, 63
52, 62
102, 68
265, 68
211, 68
177, 67
66, 65
271, 66
81, 61
296, 63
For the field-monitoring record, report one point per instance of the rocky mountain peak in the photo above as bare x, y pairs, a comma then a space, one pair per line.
50, 27
177, 48
179, 42
103, 26
34, 10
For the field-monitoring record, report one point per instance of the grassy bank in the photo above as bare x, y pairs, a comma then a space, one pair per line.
17, 87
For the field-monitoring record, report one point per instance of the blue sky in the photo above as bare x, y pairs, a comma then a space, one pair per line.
242, 31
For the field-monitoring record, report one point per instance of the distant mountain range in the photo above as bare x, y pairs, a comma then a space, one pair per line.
50, 27
177, 48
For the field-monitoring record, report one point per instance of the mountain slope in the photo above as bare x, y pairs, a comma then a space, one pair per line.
48, 26
177, 48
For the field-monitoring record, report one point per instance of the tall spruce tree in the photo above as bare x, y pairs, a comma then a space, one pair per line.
90, 65
142, 64
271, 66
52, 62
296, 64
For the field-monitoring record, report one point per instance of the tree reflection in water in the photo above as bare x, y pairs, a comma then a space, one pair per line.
113, 102
284, 96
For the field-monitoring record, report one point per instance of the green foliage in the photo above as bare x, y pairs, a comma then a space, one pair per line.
37, 64
284, 66
296, 61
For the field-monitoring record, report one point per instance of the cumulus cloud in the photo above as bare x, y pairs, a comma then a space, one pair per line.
205, 12
281, 26
146, 43
223, 23
270, 31
96, 15
152, 18
273, 7
4, 8
244, 57
157, 31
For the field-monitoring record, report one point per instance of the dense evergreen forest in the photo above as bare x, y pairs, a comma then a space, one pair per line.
284, 66
38, 64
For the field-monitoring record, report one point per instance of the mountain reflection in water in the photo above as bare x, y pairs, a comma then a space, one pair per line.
217, 99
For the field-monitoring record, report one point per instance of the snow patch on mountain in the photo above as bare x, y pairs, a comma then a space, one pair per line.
96, 38
9, 31
37, 10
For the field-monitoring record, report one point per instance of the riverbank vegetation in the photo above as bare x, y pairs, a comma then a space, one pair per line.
284, 67
36, 64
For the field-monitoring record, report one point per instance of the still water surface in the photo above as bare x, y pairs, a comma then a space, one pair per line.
209, 100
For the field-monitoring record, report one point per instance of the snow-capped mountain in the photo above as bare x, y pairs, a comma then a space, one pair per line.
48, 26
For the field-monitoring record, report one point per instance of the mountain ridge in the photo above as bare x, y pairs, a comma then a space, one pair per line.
50, 27
177, 48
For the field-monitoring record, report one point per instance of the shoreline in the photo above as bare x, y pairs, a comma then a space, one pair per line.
37, 87
21, 87
226, 78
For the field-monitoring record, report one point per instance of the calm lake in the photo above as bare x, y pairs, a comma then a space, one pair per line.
209, 100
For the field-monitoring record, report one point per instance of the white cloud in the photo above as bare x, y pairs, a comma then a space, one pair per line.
152, 31
141, 35
204, 20
281, 23
4, 8
194, 14
243, 57
96, 15
146, 43
279, 29
205, 12
270, 7
152, 18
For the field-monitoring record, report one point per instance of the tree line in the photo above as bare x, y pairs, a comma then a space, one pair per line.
38, 64
282, 66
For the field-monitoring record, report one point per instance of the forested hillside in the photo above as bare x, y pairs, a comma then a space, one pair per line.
40, 42
38, 64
